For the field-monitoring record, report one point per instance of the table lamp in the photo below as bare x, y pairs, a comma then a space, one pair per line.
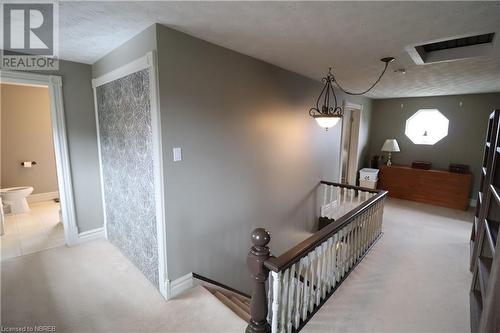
390, 146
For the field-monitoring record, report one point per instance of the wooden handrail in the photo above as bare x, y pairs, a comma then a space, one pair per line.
351, 187
287, 259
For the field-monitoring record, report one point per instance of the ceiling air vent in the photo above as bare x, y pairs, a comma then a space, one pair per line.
456, 48
459, 42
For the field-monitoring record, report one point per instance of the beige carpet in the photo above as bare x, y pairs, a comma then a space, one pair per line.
415, 279
93, 288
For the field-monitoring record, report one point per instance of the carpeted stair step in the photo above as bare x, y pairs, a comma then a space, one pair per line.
237, 303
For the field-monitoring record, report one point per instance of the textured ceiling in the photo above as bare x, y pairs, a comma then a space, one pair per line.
307, 37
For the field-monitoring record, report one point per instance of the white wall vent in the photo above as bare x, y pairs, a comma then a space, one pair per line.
454, 48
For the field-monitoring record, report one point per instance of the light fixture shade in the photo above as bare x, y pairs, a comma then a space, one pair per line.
390, 145
327, 122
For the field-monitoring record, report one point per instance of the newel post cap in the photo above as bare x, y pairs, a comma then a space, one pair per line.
260, 237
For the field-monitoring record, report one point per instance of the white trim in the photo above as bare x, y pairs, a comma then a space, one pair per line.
179, 285
90, 235
39, 197
132, 67
158, 171
63, 165
99, 154
147, 61
350, 105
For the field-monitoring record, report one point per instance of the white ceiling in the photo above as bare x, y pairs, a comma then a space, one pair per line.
306, 37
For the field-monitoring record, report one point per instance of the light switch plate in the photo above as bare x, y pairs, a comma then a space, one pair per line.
177, 154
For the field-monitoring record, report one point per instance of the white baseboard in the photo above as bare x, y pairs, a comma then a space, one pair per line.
90, 235
177, 286
39, 197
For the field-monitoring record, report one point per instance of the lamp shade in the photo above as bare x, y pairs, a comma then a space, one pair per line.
390, 145
327, 122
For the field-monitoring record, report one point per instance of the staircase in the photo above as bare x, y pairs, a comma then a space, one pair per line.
237, 303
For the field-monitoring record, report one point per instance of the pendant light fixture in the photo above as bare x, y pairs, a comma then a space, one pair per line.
329, 113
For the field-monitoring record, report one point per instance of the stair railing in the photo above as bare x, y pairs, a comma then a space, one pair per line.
302, 279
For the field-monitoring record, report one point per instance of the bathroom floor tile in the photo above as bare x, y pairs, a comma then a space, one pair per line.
38, 230
10, 226
10, 246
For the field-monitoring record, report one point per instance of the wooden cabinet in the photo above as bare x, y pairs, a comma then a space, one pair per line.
436, 187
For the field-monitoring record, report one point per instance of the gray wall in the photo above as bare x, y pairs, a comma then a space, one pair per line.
27, 136
364, 134
466, 134
133, 49
82, 141
252, 156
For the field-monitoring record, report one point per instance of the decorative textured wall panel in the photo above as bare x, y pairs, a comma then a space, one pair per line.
125, 131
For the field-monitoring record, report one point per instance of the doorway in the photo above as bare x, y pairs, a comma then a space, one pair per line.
350, 143
37, 209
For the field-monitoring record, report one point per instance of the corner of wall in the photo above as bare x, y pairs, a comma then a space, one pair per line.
130, 50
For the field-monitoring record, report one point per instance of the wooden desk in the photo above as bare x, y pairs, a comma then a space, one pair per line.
435, 187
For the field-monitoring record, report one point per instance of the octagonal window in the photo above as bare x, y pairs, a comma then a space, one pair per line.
426, 127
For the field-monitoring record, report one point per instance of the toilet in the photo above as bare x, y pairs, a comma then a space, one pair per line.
14, 199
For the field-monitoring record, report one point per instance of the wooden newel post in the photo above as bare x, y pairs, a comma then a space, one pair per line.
259, 273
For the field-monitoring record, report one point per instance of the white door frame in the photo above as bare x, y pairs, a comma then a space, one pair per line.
148, 61
63, 165
354, 141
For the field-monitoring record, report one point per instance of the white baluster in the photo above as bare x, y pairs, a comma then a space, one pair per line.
368, 226
355, 240
319, 272
270, 297
361, 233
372, 228
351, 245
284, 301
325, 187
328, 267
346, 247
291, 299
379, 226
312, 295
305, 302
300, 294
324, 270
367, 236
382, 204
375, 222
333, 271
360, 238
276, 301
338, 257
360, 241
342, 251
